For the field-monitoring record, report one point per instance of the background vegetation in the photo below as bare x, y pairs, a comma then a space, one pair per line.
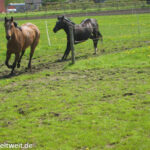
80, 7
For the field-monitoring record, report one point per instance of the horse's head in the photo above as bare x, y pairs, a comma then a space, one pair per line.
9, 26
59, 24
62, 23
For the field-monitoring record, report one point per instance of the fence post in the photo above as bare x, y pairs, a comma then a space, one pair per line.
72, 43
48, 37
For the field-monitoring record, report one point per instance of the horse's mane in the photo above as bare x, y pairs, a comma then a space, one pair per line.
16, 26
68, 20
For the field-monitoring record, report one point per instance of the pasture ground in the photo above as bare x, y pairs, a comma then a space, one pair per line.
101, 102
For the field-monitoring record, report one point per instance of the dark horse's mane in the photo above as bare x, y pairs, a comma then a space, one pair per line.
69, 21
16, 25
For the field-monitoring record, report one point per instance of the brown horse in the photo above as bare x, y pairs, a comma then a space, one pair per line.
19, 38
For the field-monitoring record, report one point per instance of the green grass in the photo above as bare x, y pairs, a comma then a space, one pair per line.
101, 102
134, 58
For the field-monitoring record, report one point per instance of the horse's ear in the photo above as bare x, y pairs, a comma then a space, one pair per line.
62, 17
15, 24
59, 17
12, 19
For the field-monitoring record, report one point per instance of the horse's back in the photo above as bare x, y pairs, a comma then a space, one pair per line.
31, 33
89, 21
30, 28
86, 29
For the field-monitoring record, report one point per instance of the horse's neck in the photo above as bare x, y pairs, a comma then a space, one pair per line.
66, 29
15, 34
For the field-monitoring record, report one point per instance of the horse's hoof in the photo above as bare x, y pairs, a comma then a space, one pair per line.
11, 74
28, 69
10, 66
18, 65
59, 60
64, 59
103, 51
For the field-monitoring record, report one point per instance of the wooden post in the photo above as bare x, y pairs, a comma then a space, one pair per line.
72, 43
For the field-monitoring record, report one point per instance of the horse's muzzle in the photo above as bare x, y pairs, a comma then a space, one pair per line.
8, 37
54, 30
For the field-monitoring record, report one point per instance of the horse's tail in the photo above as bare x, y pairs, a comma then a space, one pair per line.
97, 31
37, 37
100, 36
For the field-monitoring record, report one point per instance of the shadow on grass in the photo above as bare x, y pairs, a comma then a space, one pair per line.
8, 76
55, 66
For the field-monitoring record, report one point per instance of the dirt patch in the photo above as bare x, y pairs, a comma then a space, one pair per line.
111, 145
21, 111
35, 68
128, 94
54, 66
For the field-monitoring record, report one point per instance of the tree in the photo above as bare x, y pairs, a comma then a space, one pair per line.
7, 2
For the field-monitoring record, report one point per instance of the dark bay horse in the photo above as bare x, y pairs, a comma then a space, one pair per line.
18, 39
87, 29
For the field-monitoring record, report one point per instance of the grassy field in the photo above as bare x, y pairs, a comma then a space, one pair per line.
101, 102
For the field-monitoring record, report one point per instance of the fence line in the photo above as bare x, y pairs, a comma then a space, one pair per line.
85, 5
107, 5
48, 37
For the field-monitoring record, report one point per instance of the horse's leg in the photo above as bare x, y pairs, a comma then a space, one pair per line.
95, 41
15, 62
66, 51
8, 55
19, 61
63, 58
31, 55
101, 39
33, 46
96, 36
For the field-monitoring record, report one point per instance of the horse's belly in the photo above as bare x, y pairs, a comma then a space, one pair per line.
29, 41
82, 37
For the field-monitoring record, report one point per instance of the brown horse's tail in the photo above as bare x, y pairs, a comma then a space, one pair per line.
37, 36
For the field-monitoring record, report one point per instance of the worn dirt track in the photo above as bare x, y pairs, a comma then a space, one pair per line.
55, 65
